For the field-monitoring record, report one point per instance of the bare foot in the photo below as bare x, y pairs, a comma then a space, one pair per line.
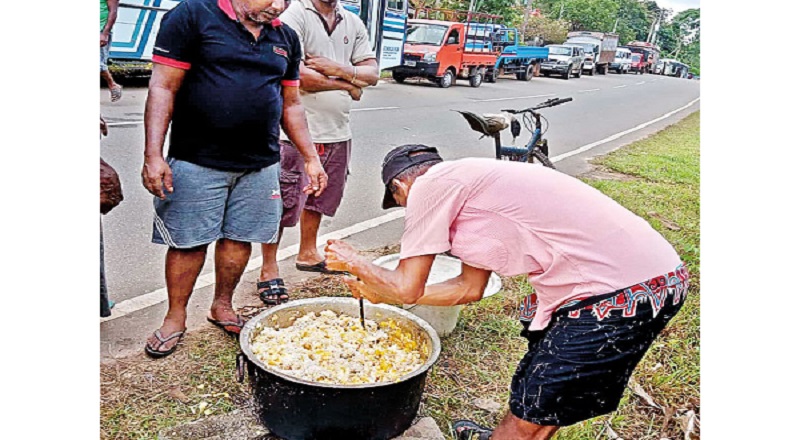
309, 258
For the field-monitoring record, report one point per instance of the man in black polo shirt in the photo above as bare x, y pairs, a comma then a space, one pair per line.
226, 74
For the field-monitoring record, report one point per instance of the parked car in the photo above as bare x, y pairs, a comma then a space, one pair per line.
564, 60
588, 56
638, 63
622, 60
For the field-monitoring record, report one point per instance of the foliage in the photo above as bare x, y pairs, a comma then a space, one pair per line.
550, 30
680, 38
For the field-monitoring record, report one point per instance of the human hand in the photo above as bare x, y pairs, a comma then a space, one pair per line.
317, 176
324, 66
340, 255
103, 39
360, 290
103, 127
355, 93
156, 175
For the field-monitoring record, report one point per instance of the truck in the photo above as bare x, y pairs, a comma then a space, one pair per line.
138, 23
600, 49
515, 58
443, 50
649, 54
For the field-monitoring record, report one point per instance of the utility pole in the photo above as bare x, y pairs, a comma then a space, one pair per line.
527, 12
651, 37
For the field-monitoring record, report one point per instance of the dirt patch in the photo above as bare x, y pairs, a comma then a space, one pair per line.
598, 172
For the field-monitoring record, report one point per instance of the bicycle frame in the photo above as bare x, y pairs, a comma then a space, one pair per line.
511, 152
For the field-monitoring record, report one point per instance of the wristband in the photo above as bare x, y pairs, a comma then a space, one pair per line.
355, 75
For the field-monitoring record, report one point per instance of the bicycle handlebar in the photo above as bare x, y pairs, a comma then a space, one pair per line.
549, 103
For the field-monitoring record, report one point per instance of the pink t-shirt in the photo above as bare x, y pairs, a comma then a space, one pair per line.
515, 218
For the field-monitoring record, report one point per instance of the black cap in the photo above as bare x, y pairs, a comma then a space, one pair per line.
401, 159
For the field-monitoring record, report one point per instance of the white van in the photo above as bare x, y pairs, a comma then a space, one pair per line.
622, 60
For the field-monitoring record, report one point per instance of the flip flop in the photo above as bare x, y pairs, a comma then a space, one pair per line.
161, 341
469, 430
222, 324
275, 290
320, 267
116, 93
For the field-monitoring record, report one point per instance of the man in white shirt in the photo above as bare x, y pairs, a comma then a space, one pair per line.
338, 63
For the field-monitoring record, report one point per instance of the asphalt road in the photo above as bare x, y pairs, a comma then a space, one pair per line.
388, 115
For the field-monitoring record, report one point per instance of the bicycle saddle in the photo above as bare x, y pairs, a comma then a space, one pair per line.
488, 124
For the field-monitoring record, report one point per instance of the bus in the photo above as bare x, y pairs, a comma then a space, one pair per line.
138, 21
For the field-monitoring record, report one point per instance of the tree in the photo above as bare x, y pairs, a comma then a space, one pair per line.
551, 31
591, 15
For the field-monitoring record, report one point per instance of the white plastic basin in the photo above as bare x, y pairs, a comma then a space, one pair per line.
443, 319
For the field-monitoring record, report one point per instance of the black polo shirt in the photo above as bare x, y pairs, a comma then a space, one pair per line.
228, 109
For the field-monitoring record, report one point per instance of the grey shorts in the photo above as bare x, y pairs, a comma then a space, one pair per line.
335, 158
208, 204
104, 50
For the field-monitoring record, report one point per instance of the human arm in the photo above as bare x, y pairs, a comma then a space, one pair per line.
113, 6
164, 85
313, 81
296, 128
362, 74
406, 284
361, 69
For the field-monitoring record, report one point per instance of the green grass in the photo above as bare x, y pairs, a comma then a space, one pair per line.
657, 178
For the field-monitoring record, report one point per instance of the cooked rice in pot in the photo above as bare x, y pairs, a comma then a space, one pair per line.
335, 349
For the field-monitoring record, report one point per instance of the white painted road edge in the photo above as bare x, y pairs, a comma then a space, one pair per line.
150, 299
588, 147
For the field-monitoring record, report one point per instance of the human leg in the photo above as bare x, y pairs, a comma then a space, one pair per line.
230, 259
105, 306
309, 228
253, 218
335, 159
183, 266
514, 428
113, 88
187, 220
270, 286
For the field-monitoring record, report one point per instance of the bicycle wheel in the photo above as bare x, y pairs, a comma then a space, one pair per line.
541, 157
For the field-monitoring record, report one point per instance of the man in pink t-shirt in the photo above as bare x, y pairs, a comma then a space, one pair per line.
606, 283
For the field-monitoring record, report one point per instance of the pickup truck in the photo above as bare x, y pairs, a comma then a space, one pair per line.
649, 55
517, 59
436, 50
602, 46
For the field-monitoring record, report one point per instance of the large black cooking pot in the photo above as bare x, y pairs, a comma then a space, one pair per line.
297, 409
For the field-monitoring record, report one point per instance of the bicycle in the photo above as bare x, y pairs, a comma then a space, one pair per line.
536, 148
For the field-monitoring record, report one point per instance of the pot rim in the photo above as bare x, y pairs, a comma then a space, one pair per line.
250, 326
